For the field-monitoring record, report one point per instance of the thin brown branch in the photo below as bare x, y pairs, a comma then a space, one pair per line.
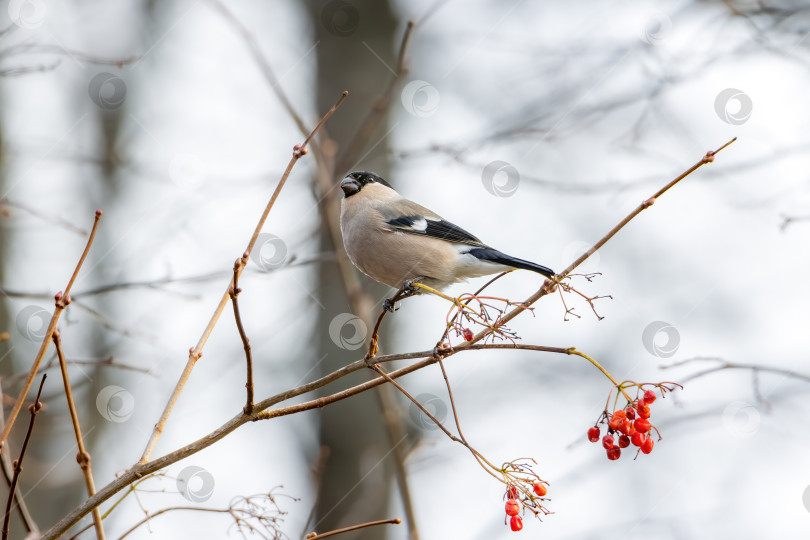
83, 457
708, 158
19, 502
196, 352
390, 304
478, 456
62, 301
235, 290
260, 412
549, 285
455, 411
315, 536
35, 408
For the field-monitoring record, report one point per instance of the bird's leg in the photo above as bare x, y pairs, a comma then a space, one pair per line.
409, 287
389, 305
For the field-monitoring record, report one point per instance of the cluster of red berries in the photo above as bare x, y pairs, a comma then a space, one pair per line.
512, 506
633, 425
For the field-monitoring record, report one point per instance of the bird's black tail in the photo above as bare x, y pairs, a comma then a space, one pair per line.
489, 254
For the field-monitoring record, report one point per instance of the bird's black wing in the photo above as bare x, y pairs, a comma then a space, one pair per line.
435, 228
412, 218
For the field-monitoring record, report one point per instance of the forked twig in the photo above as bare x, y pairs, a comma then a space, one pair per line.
35, 408
62, 301
234, 292
8, 472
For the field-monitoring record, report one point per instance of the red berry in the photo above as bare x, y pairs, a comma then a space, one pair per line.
649, 397
624, 441
643, 410
627, 428
593, 434
642, 425
631, 413
613, 453
512, 492
512, 507
648, 445
617, 419
540, 489
467, 333
607, 441
638, 438
516, 523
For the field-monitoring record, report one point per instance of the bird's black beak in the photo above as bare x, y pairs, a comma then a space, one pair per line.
350, 186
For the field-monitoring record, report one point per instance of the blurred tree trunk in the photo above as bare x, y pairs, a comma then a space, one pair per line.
356, 481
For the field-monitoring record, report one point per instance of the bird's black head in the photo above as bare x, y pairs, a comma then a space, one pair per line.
355, 181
